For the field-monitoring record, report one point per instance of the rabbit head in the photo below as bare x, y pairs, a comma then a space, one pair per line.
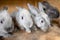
51, 11
40, 18
6, 25
24, 19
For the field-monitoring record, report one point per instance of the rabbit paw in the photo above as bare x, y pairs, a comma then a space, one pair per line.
28, 31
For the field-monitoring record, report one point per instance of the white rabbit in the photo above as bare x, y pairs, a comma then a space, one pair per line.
23, 19
6, 24
40, 18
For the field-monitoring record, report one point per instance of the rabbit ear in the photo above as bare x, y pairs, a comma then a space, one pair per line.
40, 6
4, 11
19, 8
45, 2
32, 9
5, 8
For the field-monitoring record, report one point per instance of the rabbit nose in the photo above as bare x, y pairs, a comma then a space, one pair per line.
10, 33
8, 29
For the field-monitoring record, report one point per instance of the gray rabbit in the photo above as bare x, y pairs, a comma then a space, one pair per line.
23, 19
51, 11
40, 18
6, 24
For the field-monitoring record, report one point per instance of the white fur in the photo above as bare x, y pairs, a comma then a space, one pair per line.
39, 16
6, 23
24, 19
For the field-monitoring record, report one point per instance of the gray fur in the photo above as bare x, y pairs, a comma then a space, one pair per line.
40, 18
5, 23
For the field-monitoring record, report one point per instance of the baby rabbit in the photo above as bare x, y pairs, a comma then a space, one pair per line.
23, 19
6, 24
51, 11
40, 18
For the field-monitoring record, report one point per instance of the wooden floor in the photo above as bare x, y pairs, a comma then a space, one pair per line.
54, 32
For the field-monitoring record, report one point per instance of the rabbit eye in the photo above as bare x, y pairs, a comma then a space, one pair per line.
22, 17
44, 9
1, 21
42, 21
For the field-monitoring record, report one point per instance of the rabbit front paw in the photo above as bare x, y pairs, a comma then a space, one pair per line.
28, 30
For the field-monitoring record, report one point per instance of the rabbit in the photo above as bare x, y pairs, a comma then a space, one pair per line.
23, 19
6, 24
51, 11
40, 18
